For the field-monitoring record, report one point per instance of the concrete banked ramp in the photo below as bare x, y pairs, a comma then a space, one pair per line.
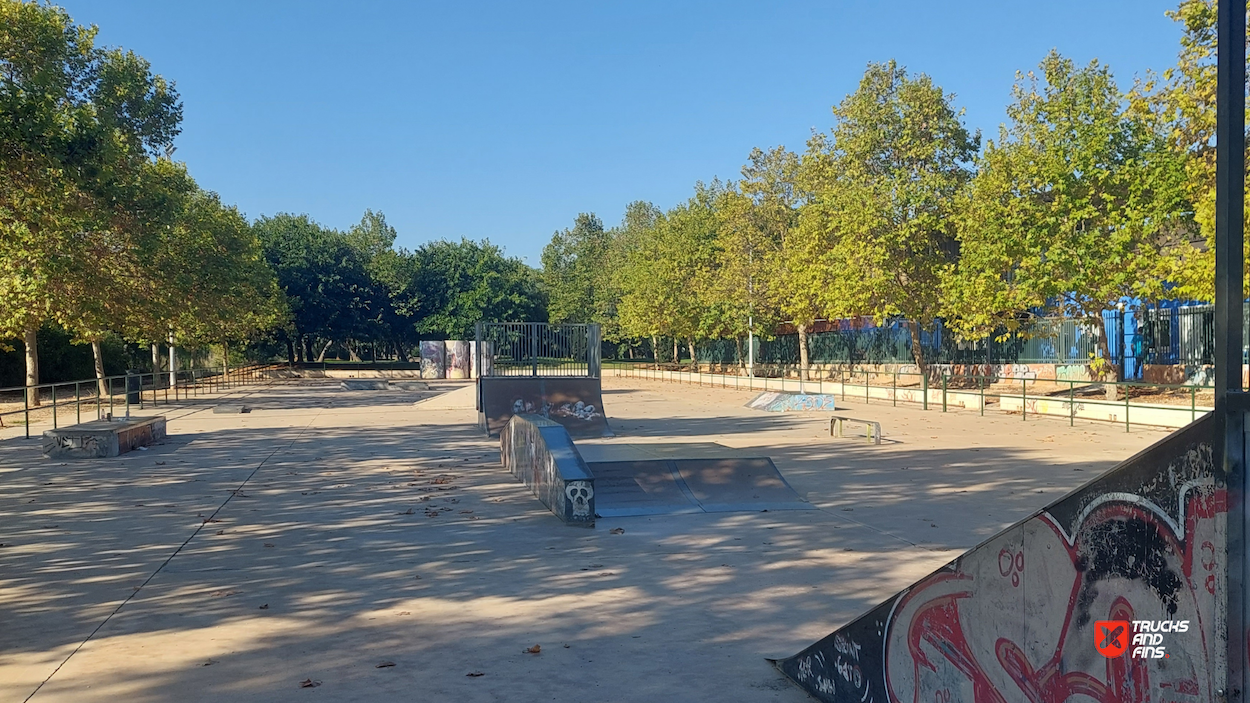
656, 479
1016, 618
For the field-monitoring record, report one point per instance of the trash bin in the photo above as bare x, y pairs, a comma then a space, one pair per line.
134, 383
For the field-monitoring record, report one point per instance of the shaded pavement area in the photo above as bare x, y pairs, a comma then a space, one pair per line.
353, 545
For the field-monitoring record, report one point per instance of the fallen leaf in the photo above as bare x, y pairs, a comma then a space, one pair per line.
566, 646
309, 683
384, 665
268, 544
534, 650
465, 512
210, 662
617, 530
406, 512
476, 673
224, 593
160, 463
264, 607
221, 532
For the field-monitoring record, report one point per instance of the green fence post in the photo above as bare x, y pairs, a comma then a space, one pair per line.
54, 406
1193, 403
924, 386
865, 386
77, 403
1024, 399
894, 388
943, 391
26, 410
1126, 429
981, 385
1071, 404
110, 390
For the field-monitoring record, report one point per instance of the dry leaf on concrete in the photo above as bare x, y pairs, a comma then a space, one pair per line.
309, 683
476, 673
617, 530
534, 650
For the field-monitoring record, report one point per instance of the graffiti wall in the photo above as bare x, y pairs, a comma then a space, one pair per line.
433, 359
1112, 593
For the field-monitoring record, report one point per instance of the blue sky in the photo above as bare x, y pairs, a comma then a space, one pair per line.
505, 120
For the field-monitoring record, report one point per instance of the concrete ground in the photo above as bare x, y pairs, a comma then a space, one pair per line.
353, 546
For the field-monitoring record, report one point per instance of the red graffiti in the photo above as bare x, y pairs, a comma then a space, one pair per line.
963, 638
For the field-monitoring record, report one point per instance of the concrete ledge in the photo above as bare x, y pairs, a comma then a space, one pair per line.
103, 438
540, 452
231, 409
364, 384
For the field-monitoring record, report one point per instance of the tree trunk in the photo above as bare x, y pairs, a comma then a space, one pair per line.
1108, 373
803, 355
917, 350
290, 352
742, 362
225, 358
322, 356
156, 358
403, 354
30, 339
655, 351
676, 358
98, 353
351, 351
694, 362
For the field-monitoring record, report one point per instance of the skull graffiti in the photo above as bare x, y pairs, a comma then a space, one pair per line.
580, 495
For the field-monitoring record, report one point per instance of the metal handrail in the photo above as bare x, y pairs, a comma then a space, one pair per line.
186, 384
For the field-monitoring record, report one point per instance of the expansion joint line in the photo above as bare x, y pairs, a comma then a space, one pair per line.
237, 490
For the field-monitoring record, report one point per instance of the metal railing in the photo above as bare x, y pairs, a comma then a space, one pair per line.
105, 397
537, 349
1067, 398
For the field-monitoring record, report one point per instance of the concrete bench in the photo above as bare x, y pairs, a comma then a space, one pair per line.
872, 428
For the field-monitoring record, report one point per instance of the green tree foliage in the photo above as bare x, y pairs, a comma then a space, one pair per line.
1072, 208
1182, 104
329, 291
462, 283
573, 272
883, 189
92, 209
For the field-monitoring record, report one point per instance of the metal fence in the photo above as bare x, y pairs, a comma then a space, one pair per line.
537, 349
1184, 335
112, 395
860, 341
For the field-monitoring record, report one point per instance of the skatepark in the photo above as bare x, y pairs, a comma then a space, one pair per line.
359, 545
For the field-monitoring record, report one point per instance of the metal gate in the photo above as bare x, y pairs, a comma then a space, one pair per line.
537, 349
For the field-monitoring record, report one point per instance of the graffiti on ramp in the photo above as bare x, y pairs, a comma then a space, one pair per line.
1016, 618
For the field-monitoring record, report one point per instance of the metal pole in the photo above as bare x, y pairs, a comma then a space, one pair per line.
54, 406
26, 410
77, 403
1229, 296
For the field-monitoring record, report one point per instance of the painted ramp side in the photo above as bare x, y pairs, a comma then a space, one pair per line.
1016, 618
575, 403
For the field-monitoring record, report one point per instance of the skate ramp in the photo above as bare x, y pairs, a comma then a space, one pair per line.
1017, 617
575, 403
667, 479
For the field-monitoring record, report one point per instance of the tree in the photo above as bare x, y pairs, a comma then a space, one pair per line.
574, 273
79, 125
466, 282
882, 204
1071, 209
1182, 103
328, 289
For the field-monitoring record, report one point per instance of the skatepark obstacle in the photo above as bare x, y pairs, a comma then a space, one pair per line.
540, 369
541, 453
1017, 617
